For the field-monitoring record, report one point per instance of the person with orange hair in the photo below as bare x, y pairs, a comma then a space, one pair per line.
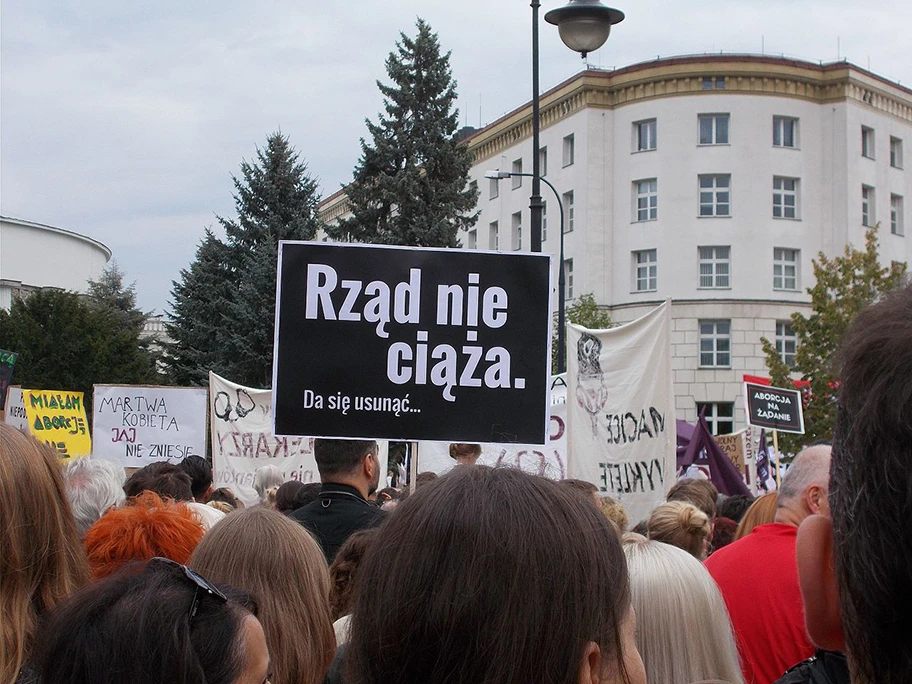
761, 512
145, 528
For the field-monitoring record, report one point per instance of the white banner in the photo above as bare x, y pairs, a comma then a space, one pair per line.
549, 461
136, 425
15, 409
620, 410
242, 441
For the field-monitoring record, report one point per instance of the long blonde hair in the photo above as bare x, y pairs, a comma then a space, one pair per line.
761, 512
274, 558
41, 558
680, 524
684, 633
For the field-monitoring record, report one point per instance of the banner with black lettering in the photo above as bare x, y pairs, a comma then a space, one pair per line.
136, 425
412, 344
621, 412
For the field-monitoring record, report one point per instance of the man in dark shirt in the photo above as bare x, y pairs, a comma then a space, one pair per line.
350, 472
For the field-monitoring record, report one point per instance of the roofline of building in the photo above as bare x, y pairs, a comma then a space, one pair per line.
41, 226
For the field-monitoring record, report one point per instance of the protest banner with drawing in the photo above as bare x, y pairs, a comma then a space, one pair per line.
242, 440
620, 410
58, 418
136, 425
412, 344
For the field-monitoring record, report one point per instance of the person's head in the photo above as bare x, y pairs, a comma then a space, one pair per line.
226, 496
144, 528
723, 533
425, 478
265, 478
343, 572
581, 487
349, 461
683, 630
41, 558
159, 624
700, 493
864, 606
465, 454
388, 494
681, 524
200, 473
93, 486
761, 512
274, 558
734, 507
614, 510
165, 479
805, 486
286, 496
515, 582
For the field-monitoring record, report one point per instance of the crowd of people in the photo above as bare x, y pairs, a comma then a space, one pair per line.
482, 575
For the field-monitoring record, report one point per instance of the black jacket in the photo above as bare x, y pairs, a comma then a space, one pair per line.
825, 667
336, 515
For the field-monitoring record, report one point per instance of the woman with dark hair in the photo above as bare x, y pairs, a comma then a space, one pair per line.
163, 624
494, 575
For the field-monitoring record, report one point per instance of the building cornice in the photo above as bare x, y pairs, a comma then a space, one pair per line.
743, 74
51, 229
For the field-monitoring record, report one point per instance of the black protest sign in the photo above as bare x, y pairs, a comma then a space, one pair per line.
7, 362
413, 344
774, 408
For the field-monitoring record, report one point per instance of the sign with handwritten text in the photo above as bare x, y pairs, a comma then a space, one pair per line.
58, 418
136, 425
410, 343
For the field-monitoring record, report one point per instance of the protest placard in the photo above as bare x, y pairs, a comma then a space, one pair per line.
741, 452
412, 344
136, 425
58, 418
548, 461
774, 408
14, 410
7, 363
242, 440
620, 410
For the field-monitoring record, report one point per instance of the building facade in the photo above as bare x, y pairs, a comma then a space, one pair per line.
713, 181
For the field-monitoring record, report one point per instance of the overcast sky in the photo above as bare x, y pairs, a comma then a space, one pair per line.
124, 121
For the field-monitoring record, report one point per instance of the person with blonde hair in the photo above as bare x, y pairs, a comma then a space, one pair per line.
683, 525
761, 512
41, 558
683, 630
274, 559
266, 481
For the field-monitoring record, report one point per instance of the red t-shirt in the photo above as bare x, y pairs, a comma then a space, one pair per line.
758, 578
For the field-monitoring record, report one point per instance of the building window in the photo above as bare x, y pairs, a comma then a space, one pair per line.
715, 344
786, 343
544, 231
785, 131
713, 83
645, 271
569, 151
785, 268
896, 215
647, 199
473, 239
715, 267
715, 194
713, 129
867, 142
867, 206
568, 278
517, 230
645, 132
720, 416
568, 211
494, 235
896, 153
493, 188
543, 161
516, 169
785, 197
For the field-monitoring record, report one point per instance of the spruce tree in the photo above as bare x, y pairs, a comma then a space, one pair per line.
224, 305
411, 185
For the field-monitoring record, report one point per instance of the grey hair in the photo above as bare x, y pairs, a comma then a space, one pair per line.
265, 478
93, 485
810, 467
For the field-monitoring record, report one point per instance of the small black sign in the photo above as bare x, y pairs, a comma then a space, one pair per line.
774, 408
411, 344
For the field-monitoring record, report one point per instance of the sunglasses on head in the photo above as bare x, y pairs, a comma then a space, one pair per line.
200, 583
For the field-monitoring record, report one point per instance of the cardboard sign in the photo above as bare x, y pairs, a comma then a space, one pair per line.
7, 362
412, 344
740, 450
774, 408
58, 418
138, 425
14, 411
